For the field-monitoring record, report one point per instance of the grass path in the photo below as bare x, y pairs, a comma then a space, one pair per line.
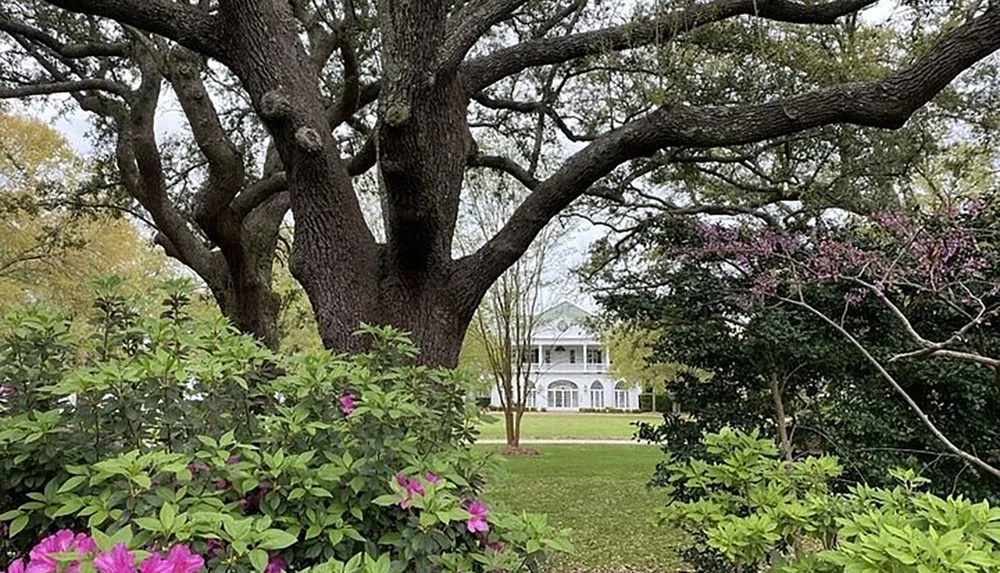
572, 425
599, 491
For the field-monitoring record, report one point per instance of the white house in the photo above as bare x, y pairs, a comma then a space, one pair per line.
569, 366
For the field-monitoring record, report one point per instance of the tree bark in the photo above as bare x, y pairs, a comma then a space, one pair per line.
780, 420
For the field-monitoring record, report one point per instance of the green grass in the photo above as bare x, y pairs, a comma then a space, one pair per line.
599, 491
551, 425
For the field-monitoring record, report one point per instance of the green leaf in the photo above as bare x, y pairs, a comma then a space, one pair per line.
148, 523
387, 499
167, 515
276, 539
9, 515
72, 483
258, 558
17, 525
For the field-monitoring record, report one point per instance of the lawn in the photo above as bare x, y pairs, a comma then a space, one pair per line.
552, 425
599, 491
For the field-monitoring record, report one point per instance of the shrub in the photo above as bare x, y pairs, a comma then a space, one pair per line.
177, 430
748, 509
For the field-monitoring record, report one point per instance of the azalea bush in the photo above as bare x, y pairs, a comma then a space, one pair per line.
180, 431
746, 508
80, 553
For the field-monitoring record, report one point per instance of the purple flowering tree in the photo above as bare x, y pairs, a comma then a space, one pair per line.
946, 254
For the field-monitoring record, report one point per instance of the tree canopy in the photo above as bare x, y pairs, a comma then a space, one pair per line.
325, 107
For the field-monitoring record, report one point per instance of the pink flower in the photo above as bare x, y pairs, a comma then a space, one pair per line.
411, 487
494, 546
119, 560
275, 565
432, 478
6, 391
155, 563
181, 560
347, 404
477, 517
60, 542
16, 566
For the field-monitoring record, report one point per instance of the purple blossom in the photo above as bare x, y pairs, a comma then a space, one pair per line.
119, 560
214, 546
347, 404
6, 391
275, 565
411, 487
477, 517
432, 478
16, 566
64, 541
495, 546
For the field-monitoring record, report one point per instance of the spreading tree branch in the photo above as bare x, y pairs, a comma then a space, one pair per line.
183, 23
887, 103
951, 447
487, 70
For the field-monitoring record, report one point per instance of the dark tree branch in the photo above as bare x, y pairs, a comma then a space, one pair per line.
257, 193
84, 50
504, 165
475, 20
887, 104
225, 164
68, 86
364, 159
487, 70
183, 23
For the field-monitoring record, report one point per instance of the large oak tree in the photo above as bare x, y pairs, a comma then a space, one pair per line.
308, 105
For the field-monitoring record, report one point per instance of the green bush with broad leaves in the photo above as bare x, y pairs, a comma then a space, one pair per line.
171, 429
747, 508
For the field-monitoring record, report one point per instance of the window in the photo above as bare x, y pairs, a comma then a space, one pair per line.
572, 356
596, 395
534, 355
548, 356
594, 356
622, 397
563, 394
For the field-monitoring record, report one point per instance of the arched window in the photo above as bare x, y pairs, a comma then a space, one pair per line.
597, 394
563, 394
622, 397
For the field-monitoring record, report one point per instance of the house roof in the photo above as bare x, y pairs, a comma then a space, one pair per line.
566, 310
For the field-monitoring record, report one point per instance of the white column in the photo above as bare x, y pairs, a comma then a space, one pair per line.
584, 357
541, 357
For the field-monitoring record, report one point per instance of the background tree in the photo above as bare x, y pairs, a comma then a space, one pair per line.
712, 293
280, 103
510, 314
51, 244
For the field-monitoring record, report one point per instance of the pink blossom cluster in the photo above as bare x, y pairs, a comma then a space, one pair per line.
348, 404
412, 488
43, 557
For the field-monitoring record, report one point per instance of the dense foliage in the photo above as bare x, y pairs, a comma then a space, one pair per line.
711, 315
749, 509
159, 430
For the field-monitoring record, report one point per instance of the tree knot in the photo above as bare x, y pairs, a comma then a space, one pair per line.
397, 114
275, 104
309, 139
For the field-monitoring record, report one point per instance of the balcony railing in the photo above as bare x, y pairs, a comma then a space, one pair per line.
568, 367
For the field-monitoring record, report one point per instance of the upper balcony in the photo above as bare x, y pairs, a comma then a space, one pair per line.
557, 359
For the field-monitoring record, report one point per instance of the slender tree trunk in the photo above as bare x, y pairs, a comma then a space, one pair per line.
513, 440
779, 419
